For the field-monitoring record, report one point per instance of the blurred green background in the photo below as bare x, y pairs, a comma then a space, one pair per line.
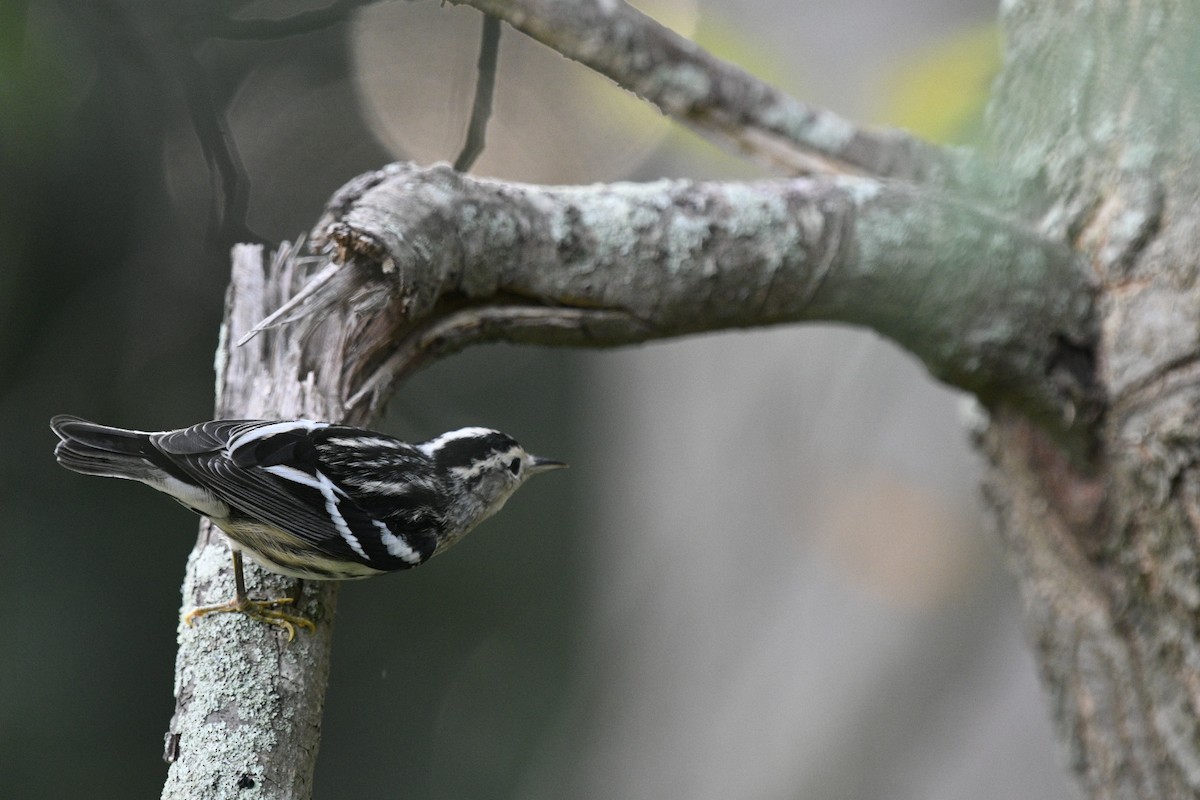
139, 140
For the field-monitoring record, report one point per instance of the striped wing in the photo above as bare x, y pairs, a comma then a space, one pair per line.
274, 472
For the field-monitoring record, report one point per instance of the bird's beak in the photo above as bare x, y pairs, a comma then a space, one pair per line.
537, 464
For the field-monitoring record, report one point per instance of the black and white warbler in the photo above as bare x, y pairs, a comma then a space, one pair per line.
311, 499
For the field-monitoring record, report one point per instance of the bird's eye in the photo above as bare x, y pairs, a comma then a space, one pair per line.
514, 466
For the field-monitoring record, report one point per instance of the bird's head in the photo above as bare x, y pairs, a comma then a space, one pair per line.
486, 465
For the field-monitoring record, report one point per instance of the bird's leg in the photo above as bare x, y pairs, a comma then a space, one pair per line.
262, 610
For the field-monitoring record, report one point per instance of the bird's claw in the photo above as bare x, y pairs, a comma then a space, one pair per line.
261, 610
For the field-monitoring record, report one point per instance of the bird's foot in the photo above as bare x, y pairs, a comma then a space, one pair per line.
261, 610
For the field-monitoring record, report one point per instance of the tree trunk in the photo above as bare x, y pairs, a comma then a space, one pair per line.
1097, 111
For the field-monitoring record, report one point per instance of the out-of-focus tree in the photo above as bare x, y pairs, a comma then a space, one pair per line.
1048, 271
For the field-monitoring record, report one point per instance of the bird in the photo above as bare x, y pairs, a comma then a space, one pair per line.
310, 499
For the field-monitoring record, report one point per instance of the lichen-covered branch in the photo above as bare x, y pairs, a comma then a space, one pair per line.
717, 100
1097, 129
248, 702
442, 261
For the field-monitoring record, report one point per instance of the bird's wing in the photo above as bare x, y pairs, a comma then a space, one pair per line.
271, 472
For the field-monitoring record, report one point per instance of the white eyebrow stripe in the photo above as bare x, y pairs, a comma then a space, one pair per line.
273, 429
435, 444
329, 491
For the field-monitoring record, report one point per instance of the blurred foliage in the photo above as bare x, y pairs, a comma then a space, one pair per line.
940, 92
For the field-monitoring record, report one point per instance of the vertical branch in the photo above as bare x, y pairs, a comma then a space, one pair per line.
248, 703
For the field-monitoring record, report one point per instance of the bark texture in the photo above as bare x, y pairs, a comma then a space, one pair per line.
985, 303
1060, 289
1097, 114
248, 703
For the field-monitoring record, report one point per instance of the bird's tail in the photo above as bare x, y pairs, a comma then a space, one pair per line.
100, 450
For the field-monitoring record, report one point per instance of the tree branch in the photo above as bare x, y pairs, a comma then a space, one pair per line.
485, 87
718, 100
248, 703
432, 261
